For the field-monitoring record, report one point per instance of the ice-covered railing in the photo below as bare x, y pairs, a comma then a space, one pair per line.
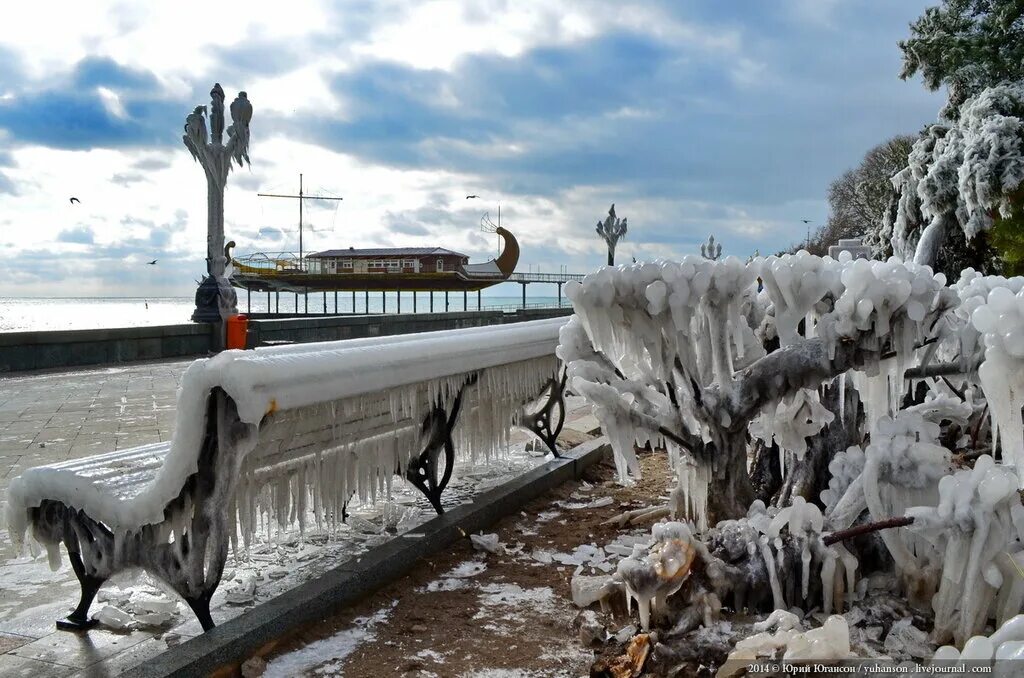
340, 378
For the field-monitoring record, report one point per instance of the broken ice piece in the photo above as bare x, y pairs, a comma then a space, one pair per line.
625, 633
588, 590
242, 593
153, 618
144, 604
115, 596
113, 617
541, 556
487, 542
363, 526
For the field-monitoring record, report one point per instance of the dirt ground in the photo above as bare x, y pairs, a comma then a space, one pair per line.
473, 613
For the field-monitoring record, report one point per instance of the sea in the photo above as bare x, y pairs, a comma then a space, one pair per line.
23, 314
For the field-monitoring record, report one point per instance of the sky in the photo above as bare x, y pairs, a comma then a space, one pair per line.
693, 118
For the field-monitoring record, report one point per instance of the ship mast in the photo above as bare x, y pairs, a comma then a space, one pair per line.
300, 196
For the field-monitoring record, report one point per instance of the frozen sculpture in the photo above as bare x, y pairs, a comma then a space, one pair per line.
216, 298
847, 397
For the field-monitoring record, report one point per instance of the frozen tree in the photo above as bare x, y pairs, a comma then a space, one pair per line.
675, 352
966, 45
862, 378
611, 230
961, 176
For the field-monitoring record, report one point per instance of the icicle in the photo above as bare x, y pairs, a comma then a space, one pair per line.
769, 563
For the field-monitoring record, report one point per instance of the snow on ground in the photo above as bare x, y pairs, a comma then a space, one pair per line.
327, 655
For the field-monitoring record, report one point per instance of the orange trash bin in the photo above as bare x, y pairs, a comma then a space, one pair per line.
237, 328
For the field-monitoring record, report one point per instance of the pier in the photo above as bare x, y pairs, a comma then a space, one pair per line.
358, 302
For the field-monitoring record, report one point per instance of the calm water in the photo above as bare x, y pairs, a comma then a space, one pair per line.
80, 313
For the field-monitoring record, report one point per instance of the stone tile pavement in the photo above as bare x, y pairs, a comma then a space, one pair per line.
50, 417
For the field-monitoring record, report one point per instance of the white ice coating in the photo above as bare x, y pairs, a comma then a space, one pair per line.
653, 573
653, 323
976, 530
762, 529
689, 499
796, 283
830, 641
646, 335
996, 650
970, 168
792, 420
1000, 321
318, 407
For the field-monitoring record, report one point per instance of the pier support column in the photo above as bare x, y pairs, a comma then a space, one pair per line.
277, 302
431, 301
248, 300
414, 301
269, 307
353, 302
398, 295
465, 300
559, 295
478, 300
446, 301
366, 302
383, 302
335, 302
325, 302
305, 300
524, 294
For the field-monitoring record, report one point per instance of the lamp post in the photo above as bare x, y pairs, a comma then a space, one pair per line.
215, 297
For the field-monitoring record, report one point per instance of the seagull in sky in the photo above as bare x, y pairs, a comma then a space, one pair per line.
806, 221
74, 200
472, 196
151, 263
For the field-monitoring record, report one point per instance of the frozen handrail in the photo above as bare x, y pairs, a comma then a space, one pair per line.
315, 409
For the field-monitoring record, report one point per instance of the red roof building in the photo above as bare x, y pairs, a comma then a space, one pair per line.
386, 260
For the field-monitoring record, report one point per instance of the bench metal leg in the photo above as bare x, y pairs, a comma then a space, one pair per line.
437, 429
541, 423
201, 607
79, 619
423, 469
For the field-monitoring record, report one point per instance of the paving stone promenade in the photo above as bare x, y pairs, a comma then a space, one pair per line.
49, 417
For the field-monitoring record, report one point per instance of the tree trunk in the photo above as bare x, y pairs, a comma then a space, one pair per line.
611, 255
730, 491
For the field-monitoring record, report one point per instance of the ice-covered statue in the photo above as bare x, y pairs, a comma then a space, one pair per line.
215, 298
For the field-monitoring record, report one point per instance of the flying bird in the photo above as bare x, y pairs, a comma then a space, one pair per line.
472, 196
74, 200
151, 263
806, 221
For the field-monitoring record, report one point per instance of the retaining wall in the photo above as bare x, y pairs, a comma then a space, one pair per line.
24, 351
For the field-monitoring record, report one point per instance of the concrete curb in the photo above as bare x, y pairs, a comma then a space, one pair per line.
237, 639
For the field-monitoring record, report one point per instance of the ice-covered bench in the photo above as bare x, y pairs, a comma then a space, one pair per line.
314, 423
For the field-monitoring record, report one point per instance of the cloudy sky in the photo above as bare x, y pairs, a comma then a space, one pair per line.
692, 117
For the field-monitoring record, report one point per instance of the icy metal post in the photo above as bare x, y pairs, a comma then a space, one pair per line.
215, 298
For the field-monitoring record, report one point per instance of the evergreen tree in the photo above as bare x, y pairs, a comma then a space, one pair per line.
966, 45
